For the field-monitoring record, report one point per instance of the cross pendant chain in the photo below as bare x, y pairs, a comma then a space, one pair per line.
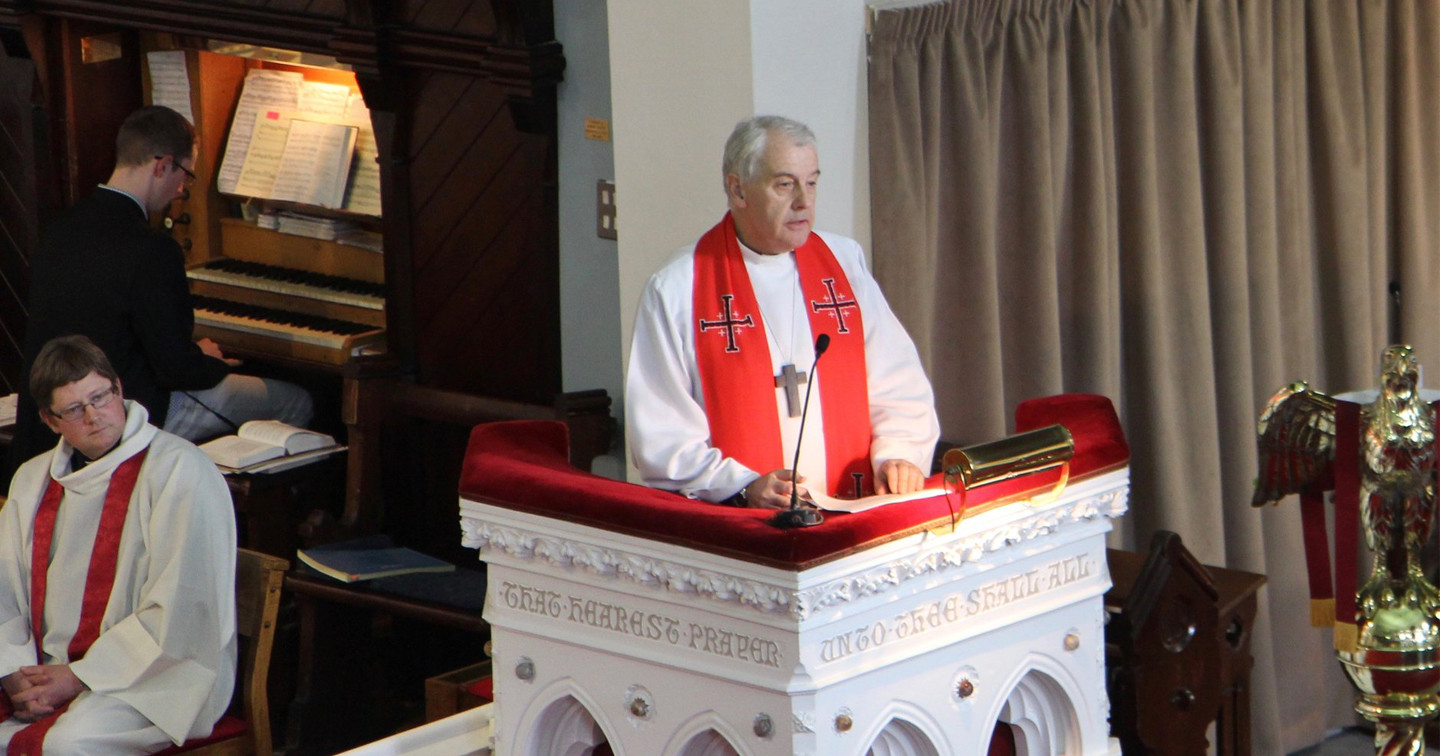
791, 380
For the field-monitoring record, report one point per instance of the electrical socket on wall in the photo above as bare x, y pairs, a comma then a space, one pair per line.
605, 209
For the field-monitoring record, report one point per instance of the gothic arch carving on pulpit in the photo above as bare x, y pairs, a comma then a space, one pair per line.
708, 743
908, 731
902, 738
1041, 713
705, 734
565, 726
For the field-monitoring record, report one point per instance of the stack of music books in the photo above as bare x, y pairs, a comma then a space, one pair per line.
312, 226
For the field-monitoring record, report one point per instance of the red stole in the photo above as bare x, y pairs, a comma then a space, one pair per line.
99, 581
738, 378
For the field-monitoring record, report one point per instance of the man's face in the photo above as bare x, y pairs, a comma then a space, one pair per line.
775, 210
172, 182
96, 429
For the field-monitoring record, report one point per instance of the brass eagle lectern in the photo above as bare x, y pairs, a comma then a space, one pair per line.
1379, 458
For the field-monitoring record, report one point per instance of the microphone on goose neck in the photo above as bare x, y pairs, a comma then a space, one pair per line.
797, 516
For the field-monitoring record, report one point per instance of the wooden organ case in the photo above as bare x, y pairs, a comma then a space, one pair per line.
462, 305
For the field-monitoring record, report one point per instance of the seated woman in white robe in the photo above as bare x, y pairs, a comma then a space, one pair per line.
120, 637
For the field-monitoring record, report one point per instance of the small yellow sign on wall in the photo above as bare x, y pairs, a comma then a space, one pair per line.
597, 129
101, 48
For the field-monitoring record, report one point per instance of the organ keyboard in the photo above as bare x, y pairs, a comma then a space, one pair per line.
289, 282
292, 326
275, 295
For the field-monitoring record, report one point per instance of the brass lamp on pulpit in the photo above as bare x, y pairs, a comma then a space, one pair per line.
977, 465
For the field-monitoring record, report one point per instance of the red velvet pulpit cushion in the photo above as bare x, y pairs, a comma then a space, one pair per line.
1099, 440
523, 465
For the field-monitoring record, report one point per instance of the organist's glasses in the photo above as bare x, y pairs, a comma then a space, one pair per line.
189, 174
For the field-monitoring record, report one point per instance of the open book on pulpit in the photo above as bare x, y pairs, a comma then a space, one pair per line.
832, 504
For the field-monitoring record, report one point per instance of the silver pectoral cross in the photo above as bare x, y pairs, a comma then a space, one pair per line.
791, 381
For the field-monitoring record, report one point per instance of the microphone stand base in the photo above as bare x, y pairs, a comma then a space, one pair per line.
800, 517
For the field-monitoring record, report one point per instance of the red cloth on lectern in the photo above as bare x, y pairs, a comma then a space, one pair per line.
523, 465
1347, 520
1332, 598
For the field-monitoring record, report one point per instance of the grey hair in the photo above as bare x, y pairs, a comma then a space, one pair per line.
747, 143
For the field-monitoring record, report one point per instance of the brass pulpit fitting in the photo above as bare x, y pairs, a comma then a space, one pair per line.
1010, 457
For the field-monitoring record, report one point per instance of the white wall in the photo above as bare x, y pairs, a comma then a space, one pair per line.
809, 64
680, 78
589, 277
683, 72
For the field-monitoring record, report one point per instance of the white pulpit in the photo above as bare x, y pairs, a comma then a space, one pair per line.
917, 646
916, 640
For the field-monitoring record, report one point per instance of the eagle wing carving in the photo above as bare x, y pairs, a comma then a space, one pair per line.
1297, 443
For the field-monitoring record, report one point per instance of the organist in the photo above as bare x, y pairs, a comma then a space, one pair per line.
102, 271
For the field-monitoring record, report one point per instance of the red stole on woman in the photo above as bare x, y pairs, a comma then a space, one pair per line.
738, 378
99, 582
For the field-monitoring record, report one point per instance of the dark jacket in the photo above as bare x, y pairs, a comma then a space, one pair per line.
102, 271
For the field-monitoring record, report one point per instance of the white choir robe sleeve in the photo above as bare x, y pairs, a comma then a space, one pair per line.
668, 430
169, 656
903, 422
17, 642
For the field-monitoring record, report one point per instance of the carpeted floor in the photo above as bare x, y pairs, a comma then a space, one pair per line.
1351, 742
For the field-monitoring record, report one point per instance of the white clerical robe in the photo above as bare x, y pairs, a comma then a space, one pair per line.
664, 402
163, 667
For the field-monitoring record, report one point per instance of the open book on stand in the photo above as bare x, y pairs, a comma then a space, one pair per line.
268, 446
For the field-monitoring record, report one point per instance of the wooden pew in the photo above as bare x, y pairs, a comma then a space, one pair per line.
1178, 651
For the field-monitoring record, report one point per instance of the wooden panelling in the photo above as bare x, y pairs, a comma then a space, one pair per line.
317, 8
484, 239
18, 213
98, 98
473, 19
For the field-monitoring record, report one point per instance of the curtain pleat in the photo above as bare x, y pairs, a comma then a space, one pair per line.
1180, 204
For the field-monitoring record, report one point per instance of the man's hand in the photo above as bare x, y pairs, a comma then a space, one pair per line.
13, 684
45, 689
212, 349
896, 476
772, 490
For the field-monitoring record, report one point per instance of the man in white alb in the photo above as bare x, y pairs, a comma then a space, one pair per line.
117, 575
725, 337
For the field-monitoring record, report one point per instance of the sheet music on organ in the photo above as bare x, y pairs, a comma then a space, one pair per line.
264, 89
326, 99
170, 81
363, 195
298, 157
315, 164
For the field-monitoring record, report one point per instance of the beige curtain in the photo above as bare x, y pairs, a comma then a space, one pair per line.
1180, 204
